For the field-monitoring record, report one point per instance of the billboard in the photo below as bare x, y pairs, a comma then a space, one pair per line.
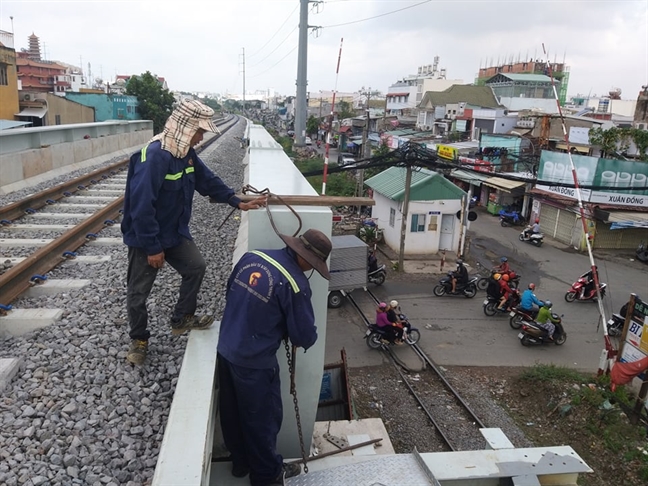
447, 152
627, 180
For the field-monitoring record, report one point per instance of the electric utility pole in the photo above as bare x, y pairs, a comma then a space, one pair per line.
243, 64
366, 147
302, 81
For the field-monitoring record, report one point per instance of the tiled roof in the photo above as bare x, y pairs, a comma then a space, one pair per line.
459, 93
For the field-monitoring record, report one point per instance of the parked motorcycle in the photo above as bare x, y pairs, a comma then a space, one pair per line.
519, 315
510, 218
534, 238
615, 325
377, 337
490, 305
533, 333
642, 252
468, 290
376, 274
574, 293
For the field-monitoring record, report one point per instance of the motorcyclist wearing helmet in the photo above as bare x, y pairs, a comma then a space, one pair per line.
506, 291
546, 320
589, 288
532, 228
459, 275
494, 291
504, 267
529, 299
395, 321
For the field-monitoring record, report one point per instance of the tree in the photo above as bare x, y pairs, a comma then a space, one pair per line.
344, 110
312, 125
212, 103
155, 102
617, 140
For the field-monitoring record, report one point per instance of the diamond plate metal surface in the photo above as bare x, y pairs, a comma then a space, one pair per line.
399, 470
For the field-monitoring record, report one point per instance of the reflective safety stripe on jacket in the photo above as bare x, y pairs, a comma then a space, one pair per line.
168, 177
279, 267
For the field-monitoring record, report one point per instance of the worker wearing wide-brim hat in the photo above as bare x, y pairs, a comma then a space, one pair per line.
268, 299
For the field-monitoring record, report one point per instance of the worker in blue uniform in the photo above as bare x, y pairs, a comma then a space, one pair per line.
268, 299
162, 179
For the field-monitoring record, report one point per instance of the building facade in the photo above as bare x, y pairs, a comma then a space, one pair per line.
108, 106
8, 77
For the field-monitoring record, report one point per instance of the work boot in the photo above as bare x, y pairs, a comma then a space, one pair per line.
137, 351
190, 323
287, 471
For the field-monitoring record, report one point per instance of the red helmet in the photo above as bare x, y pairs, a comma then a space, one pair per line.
532, 286
505, 277
537, 220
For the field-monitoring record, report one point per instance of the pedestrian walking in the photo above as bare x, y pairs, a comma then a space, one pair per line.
162, 179
268, 299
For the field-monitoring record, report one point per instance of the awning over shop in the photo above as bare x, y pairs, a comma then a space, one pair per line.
627, 219
503, 184
469, 177
37, 112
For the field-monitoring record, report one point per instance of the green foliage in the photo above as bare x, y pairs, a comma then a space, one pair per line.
312, 125
344, 110
155, 102
212, 103
454, 136
617, 140
551, 373
232, 105
340, 184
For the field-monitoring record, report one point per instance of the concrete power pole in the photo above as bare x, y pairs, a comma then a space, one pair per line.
401, 252
302, 73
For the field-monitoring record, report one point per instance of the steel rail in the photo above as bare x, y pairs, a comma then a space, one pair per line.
19, 278
428, 361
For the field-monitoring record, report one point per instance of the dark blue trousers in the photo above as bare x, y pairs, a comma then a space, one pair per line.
186, 260
250, 414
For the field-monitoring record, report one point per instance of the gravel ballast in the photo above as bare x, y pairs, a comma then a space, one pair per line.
78, 412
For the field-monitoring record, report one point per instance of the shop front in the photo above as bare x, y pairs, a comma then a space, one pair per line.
503, 194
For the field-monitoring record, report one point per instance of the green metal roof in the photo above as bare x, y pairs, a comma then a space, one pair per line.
426, 185
535, 78
481, 96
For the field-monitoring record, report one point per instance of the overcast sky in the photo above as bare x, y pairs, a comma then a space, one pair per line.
198, 45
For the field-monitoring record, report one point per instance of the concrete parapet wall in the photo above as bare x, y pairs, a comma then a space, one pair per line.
29, 155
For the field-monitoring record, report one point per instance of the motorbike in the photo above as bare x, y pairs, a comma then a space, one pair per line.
514, 280
642, 252
615, 325
376, 274
519, 315
468, 290
533, 333
510, 218
574, 293
490, 305
377, 337
533, 238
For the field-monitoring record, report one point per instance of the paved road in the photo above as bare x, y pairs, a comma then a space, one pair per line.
455, 330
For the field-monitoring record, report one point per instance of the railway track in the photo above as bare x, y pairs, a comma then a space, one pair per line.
456, 423
63, 218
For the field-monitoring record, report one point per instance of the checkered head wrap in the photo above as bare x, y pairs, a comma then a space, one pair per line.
182, 125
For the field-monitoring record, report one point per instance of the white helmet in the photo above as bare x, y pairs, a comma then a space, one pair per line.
393, 303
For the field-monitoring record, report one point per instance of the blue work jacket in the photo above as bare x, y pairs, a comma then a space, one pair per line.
159, 196
268, 298
528, 299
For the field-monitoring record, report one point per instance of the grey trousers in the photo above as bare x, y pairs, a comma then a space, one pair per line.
186, 260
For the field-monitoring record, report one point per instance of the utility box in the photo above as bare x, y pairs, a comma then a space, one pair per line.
348, 267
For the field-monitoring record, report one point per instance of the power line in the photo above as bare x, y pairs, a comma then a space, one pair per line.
274, 35
289, 52
376, 16
273, 50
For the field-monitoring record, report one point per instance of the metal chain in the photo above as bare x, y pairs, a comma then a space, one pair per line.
293, 391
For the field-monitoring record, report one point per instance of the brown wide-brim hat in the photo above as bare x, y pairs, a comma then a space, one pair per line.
314, 247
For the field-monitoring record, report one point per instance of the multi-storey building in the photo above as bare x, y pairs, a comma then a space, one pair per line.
404, 96
8, 79
38, 75
533, 66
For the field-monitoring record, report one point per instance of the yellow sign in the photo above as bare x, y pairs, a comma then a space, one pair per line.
447, 152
